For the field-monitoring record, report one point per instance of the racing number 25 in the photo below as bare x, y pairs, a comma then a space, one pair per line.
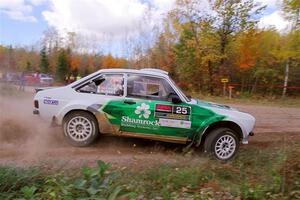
183, 110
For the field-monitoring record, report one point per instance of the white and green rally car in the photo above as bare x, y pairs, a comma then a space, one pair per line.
142, 103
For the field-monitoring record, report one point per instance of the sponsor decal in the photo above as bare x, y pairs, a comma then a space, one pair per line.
172, 112
143, 111
174, 123
171, 116
163, 108
168, 116
50, 102
139, 121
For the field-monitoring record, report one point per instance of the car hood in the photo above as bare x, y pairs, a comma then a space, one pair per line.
212, 105
244, 120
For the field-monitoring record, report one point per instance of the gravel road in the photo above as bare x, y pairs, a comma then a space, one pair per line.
26, 140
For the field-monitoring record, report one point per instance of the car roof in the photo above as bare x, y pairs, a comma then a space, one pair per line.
149, 71
146, 71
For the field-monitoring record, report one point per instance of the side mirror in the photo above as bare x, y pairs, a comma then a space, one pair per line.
175, 99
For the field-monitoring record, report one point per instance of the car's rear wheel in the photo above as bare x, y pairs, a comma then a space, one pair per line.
222, 143
80, 128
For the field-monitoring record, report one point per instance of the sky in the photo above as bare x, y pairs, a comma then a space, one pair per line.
22, 22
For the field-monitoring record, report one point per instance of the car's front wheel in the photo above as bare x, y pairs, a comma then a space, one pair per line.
222, 143
80, 128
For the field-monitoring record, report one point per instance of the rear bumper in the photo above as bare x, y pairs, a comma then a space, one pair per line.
36, 112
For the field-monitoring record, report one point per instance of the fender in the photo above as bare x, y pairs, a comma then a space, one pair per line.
243, 127
73, 105
210, 122
204, 125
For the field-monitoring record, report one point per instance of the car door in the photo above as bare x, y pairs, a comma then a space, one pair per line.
147, 110
97, 95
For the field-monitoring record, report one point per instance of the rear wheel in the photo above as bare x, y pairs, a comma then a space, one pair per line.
222, 143
80, 128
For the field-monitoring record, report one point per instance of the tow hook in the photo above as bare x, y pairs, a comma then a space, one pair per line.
251, 133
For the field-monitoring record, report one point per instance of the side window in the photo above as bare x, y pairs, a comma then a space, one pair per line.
147, 87
110, 84
88, 88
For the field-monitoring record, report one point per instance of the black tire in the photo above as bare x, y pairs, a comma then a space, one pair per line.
222, 143
73, 131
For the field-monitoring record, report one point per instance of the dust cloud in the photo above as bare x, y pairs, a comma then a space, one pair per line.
23, 133
26, 140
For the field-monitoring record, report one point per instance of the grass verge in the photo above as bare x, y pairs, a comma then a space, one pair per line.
254, 174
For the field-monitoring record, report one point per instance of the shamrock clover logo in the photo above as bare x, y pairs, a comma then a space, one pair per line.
143, 110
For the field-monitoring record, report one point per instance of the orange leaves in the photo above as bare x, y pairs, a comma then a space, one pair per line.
91, 64
247, 58
75, 62
110, 62
248, 49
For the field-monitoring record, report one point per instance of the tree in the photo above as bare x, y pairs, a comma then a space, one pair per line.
291, 10
44, 63
233, 16
28, 66
11, 59
112, 62
62, 65
91, 66
193, 42
162, 54
186, 58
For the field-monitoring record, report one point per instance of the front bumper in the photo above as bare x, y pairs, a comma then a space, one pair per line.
245, 140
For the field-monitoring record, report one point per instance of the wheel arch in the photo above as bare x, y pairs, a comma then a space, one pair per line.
221, 124
78, 110
71, 107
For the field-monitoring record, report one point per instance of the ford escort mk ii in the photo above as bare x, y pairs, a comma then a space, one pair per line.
142, 103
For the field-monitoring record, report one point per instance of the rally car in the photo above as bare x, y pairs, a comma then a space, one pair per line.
142, 103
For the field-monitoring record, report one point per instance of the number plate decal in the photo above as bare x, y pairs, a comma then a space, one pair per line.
172, 112
182, 110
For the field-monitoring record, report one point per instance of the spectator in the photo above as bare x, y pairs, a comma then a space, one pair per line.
67, 79
72, 78
78, 77
22, 82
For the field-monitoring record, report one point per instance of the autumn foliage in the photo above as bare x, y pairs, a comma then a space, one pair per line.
197, 48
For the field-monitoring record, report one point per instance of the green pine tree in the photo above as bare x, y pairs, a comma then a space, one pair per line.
44, 63
62, 66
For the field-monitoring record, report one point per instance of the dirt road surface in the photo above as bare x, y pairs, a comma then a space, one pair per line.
25, 140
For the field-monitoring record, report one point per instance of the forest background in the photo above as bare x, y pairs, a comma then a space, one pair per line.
198, 47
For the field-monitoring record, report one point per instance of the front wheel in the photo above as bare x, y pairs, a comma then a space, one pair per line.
222, 143
80, 128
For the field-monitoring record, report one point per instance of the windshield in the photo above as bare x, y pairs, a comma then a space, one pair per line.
180, 91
